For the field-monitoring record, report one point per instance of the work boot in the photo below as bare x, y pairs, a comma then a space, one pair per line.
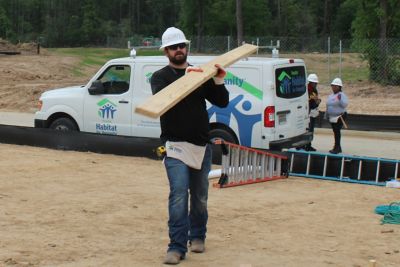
173, 257
310, 148
336, 150
197, 246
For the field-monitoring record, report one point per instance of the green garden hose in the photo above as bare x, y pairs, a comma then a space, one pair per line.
392, 214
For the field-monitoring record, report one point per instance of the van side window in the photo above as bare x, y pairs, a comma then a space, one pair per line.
116, 79
290, 82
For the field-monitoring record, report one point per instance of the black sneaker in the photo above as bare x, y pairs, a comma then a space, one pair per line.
335, 150
310, 148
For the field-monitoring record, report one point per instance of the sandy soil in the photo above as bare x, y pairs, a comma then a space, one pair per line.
62, 208
86, 209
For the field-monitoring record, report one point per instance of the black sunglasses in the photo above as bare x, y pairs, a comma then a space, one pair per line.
175, 46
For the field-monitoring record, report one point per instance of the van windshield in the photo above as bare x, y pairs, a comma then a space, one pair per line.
290, 82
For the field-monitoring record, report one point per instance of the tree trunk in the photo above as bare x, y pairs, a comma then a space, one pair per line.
239, 22
383, 19
200, 25
383, 45
279, 17
326, 18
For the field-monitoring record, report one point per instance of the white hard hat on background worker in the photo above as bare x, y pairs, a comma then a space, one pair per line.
337, 81
312, 78
173, 36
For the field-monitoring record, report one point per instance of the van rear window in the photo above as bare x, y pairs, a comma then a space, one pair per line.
290, 82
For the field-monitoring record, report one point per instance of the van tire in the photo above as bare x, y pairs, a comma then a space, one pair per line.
64, 124
225, 135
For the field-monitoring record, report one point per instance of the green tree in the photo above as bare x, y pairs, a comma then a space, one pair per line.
367, 22
221, 18
344, 18
256, 18
379, 20
5, 24
91, 22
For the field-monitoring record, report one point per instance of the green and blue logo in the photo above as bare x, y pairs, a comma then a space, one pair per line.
284, 80
231, 79
107, 109
148, 76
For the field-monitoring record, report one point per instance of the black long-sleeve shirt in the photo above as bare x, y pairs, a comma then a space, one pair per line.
188, 120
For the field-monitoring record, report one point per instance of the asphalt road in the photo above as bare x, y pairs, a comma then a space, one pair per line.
361, 143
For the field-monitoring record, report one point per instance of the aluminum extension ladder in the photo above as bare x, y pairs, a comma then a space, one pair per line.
341, 167
242, 165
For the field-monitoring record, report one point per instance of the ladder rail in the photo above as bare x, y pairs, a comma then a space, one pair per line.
243, 165
359, 170
378, 166
343, 167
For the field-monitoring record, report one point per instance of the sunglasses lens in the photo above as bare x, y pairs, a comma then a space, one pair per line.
175, 47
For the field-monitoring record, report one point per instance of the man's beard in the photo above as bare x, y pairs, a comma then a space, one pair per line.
178, 61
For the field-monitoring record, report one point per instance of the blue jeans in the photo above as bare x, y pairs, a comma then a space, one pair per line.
183, 224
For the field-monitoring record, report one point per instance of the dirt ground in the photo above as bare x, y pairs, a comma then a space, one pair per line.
63, 208
24, 77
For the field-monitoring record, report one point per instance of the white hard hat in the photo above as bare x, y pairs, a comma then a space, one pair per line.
312, 78
337, 81
173, 36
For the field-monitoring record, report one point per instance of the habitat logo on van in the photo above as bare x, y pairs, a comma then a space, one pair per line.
148, 76
231, 79
107, 109
293, 83
240, 108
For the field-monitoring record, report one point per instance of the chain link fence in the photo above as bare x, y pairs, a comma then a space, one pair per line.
375, 60
353, 60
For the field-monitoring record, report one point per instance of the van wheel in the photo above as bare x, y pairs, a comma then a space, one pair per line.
225, 135
64, 124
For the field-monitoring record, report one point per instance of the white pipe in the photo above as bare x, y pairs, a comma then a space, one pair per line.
214, 174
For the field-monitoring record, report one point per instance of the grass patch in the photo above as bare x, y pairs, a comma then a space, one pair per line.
355, 74
96, 57
327, 67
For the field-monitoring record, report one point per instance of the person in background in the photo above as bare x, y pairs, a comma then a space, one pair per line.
185, 133
336, 106
313, 103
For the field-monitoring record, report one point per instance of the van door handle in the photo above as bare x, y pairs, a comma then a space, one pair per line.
123, 101
283, 112
299, 107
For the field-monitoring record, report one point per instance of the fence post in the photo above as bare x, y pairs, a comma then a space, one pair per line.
258, 44
229, 42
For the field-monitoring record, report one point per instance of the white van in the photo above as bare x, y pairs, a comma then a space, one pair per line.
268, 106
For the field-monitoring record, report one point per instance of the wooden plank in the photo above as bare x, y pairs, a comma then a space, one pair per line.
165, 99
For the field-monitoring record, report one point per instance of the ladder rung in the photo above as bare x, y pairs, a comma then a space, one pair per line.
244, 165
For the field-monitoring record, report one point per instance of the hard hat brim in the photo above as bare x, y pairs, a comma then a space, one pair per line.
173, 43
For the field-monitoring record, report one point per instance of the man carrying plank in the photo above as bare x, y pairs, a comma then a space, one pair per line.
184, 130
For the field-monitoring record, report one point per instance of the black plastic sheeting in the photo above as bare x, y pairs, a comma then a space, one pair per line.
360, 122
79, 141
145, 147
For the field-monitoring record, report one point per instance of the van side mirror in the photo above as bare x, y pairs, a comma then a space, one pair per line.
97, 88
